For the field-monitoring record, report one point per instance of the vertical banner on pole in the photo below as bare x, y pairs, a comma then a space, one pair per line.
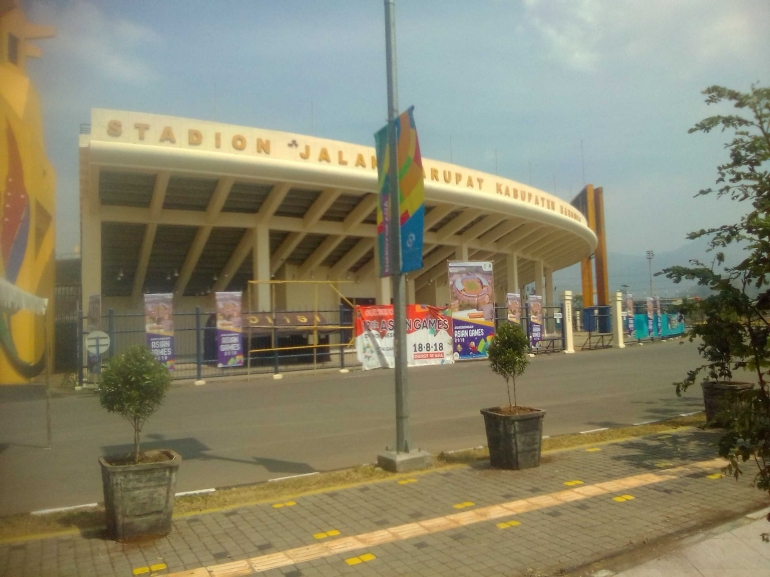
471, 286
660, 318
229, 344
630, 313
535, 319
93, 323
411, 208
513, 302
649, 316
159, 327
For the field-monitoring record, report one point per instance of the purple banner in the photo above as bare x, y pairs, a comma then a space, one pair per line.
513, 302
630, 313
660, 318
471, 289
159, 327
229, 342
535, 319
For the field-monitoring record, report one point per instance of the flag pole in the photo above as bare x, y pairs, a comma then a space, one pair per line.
403, 433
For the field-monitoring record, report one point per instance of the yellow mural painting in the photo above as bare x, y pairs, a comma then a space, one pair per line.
27, 199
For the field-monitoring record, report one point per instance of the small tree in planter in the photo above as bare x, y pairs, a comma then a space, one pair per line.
138, 490
514, 433
736, 333
133, 386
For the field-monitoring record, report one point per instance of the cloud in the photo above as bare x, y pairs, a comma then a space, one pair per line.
587, 35
110, 46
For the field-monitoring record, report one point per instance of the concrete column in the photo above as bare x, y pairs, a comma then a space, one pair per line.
569, 345
461, 252
260, 256
617, 320
548, 296
511, 273
382, 286
539, 289
410, 290
91, 242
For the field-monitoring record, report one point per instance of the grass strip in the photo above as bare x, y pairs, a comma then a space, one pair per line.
25, 527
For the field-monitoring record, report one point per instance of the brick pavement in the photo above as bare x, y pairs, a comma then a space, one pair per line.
558, 535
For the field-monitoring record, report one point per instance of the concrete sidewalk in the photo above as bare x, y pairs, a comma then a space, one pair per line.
738, 549
576, 514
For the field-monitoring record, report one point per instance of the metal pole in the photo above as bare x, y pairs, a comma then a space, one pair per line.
197, 343
80, 347
403, 433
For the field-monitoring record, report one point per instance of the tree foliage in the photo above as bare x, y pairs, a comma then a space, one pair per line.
736, 333
133, 385
508, 354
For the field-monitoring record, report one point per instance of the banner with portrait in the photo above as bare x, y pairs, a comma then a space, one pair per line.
630, 313
650, 314
229, 330
513, 307
660, 318
159, 327
472, 301
428, 336
535, 319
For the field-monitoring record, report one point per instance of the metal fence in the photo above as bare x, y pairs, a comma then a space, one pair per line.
552, 339
195, 344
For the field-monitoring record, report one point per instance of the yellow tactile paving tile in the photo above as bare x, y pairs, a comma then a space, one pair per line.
439, 524
376, 537
234, 569
507, 524
573, 483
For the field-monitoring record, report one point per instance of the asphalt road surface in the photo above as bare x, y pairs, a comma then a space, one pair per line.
232, 433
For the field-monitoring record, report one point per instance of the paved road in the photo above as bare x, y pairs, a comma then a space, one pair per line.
235, 432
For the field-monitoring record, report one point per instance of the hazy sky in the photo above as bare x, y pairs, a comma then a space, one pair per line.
514, 86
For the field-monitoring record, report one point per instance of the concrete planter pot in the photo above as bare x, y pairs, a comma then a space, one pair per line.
139, 499
719, 397
514, 440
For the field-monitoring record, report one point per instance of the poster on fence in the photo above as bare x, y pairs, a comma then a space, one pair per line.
513, 305
660, 318
535, 318
649, 315
471, 290
159, 327
428, 336
630, 313
229, 343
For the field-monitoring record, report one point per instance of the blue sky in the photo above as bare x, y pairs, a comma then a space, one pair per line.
522, 82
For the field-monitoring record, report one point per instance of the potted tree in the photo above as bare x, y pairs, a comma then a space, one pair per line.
736, 332
139, 488
514, 433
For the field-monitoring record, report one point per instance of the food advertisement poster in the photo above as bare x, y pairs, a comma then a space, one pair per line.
535, 318
229, 343
630, 313
159, 327
471, 290
428, 336
649, 315
513, 305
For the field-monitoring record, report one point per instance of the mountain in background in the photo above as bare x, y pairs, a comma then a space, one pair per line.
633, 270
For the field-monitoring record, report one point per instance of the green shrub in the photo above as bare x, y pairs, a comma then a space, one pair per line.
133, 385
508, 355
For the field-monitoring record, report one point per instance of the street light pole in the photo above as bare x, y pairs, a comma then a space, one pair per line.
650, 256
403, 457
403, 434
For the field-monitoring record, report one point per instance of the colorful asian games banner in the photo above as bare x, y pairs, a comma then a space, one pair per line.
535, 319
513, 306
428, 336
229, 342
630, 313
472, 301
159, 327
411, 207
650, 312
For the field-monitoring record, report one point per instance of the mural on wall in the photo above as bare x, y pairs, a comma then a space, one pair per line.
27, 199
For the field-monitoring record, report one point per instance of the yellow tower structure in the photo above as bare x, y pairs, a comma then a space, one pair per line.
27, 199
